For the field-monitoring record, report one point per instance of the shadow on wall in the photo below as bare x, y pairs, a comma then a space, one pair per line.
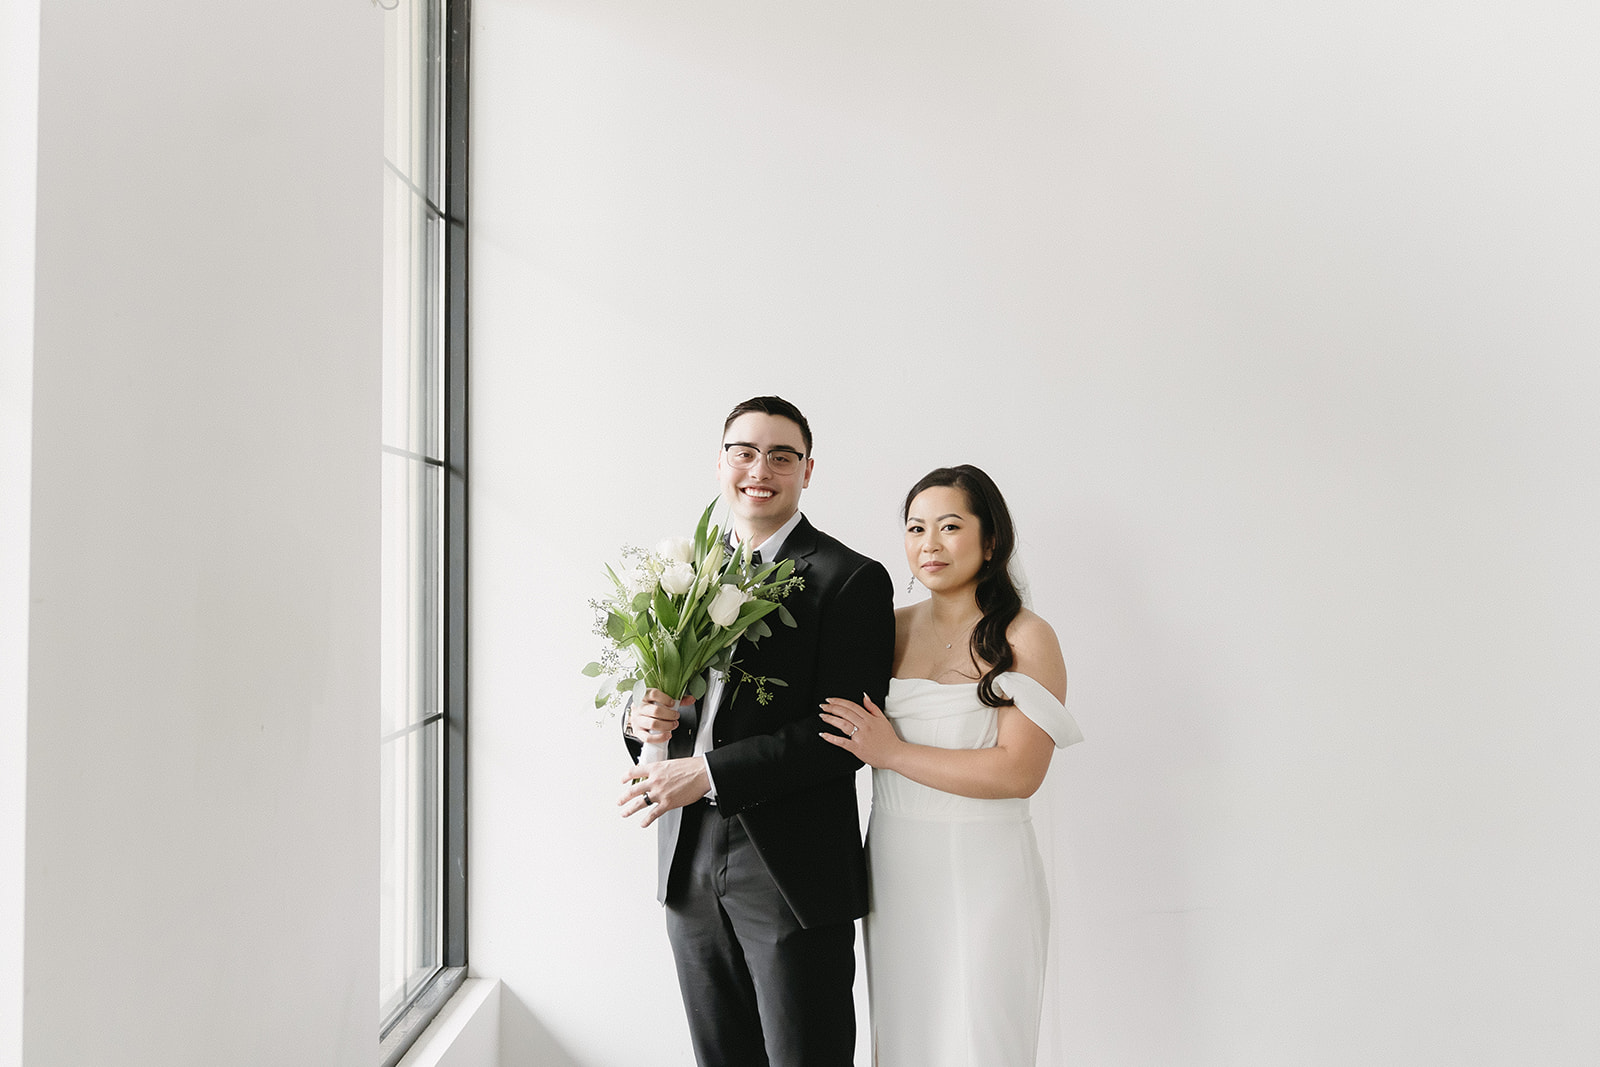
524, 1041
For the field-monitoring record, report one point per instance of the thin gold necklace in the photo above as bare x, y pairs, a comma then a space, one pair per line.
950, 643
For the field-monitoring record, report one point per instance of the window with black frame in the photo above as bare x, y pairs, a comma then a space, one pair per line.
422, 920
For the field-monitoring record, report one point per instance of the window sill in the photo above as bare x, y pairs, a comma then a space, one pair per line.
450, 1003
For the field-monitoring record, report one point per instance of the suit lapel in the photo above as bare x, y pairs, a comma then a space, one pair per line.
802, 541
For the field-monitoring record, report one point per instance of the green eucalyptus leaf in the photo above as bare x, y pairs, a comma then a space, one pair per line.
616, 626
592, 670
697, 686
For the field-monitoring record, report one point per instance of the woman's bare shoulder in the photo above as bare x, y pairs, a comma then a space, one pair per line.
905, 621
1036, 652
1031, 630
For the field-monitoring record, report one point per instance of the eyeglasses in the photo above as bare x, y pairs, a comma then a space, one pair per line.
781, 459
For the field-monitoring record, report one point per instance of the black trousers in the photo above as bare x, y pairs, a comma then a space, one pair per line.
760, 990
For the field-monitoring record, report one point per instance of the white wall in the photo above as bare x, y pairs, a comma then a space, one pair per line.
19, 83
201, 866
1277, 324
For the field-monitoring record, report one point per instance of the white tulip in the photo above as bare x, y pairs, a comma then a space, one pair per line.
712, 566
677, 578
724, 607
676, 550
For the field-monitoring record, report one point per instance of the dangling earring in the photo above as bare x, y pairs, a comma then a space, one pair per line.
911, 583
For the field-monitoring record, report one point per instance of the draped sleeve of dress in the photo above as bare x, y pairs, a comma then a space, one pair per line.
960, 916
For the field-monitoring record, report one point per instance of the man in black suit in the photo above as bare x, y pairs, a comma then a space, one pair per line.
760, 861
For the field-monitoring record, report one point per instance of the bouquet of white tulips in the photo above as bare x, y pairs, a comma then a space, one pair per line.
678, 611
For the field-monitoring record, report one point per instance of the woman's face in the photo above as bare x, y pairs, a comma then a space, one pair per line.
945, 543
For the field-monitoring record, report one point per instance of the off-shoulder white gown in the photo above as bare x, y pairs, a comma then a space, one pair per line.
960, 915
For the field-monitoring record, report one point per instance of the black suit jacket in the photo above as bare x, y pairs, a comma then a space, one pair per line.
794, 792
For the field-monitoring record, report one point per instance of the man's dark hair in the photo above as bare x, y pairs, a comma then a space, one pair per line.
771, 405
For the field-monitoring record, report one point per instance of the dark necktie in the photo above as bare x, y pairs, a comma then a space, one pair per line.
755, 558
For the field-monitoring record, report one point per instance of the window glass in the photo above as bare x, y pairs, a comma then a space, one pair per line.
412, 724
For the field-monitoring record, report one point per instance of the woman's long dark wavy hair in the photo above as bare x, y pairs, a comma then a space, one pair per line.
997, 595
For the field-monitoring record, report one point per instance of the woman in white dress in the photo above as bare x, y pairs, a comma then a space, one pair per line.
960, 915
